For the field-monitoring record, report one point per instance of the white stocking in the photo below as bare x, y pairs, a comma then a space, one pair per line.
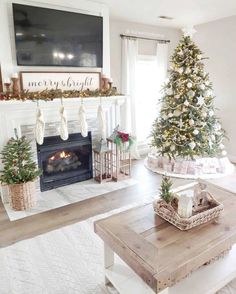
82, 121
39, 127
63, 126
101, 121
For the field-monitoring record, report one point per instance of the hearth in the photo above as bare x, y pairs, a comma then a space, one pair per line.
65, 162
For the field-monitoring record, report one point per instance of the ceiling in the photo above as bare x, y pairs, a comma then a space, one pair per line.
184, 12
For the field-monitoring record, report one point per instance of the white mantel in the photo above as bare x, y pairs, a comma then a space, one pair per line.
14, 114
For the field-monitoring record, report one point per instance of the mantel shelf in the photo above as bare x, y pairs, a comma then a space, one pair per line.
112, 99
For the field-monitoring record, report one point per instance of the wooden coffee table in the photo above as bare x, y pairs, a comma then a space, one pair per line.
156, 257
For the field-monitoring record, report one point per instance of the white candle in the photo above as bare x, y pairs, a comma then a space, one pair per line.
15, 75
111, 80
7, 81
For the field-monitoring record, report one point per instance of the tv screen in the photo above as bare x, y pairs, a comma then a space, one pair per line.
49, 37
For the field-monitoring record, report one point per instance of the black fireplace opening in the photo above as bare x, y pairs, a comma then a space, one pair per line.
65, 162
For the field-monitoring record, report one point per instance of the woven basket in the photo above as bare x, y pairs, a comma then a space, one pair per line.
23, 196
167, 212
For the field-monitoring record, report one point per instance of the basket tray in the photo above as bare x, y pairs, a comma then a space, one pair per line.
167, 212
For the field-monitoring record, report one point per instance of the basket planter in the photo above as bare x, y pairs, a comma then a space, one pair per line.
167, 212
22, 196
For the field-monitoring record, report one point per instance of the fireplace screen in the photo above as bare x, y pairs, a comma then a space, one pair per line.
65, 162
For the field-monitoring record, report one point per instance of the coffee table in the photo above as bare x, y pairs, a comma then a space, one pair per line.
156, 257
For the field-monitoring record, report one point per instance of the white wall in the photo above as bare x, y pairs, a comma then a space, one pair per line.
145, 47
218, 41
7, 47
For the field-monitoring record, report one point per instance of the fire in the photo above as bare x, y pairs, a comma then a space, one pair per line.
63, 154
60, 155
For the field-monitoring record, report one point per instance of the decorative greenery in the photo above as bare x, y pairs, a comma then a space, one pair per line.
48, 95
19, 166
120, 138
165, 190
187, 126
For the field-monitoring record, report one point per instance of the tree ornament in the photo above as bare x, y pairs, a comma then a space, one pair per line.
200, 100
189, 85
180, 70
82, 121
188, 31
177, 112
224, 152
170, 114
63, 124
209, 92
39, 127
192, 145
191, 122
188, 70
222, 146
186, 103
181, 123
211, 113
196, 132
169, 91
202, 87
177, 96
172, 148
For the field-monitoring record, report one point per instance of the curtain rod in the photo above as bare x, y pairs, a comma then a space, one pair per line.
144, 38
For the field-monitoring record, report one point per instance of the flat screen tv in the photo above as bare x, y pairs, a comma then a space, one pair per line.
49, 37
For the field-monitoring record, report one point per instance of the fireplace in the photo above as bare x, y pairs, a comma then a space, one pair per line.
65, 162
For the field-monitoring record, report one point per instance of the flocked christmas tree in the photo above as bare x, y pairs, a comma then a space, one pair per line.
187, 126
17, 159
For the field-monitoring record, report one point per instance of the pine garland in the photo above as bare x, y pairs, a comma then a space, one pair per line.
17, 159
49, 95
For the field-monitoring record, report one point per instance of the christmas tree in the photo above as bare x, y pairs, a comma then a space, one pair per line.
187, 126
17, 159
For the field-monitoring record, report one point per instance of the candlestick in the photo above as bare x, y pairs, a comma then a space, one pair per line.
16, 89
7, 86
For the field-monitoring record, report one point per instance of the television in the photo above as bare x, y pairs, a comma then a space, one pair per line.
49, 37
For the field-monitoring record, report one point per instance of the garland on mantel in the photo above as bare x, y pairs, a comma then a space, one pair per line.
49, 95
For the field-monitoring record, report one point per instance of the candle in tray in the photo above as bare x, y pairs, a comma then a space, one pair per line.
185, 204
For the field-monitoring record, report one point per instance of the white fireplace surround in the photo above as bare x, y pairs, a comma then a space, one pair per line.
18, 114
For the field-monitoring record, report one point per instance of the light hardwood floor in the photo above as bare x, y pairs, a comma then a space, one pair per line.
148, 185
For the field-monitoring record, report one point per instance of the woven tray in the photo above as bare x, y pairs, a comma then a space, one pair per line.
167, 212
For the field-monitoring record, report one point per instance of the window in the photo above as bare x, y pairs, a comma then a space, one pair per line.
147, 93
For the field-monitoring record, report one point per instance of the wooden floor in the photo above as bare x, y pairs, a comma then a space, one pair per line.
14, 231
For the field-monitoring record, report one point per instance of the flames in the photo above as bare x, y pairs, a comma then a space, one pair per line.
60, 155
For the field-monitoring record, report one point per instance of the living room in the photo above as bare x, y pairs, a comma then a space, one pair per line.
117, 147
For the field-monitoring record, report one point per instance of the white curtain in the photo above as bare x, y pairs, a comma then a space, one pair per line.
128, 73
162, 64
128, 79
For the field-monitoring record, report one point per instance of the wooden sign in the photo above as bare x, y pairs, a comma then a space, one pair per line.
80, 81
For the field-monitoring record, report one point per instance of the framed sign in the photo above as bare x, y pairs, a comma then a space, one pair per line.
79, 81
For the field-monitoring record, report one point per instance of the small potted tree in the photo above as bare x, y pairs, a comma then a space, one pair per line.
19, 173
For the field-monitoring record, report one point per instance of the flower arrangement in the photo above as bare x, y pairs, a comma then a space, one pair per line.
120, 138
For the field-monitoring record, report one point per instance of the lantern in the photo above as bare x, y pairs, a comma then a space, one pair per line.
102, 162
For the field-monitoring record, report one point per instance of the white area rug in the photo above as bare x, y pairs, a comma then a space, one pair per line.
68, 194
64, 261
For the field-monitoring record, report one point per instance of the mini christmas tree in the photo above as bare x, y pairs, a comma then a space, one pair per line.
165, 190
187, 126
17, 159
